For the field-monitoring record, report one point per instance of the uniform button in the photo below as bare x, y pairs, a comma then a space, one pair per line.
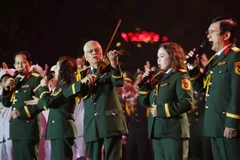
206, 106
94, 103
224, 112
196, 113
16, 91
197, 119
53, 121
220, 71
210, 83
28, 121
211, 72
113, 114
95, 114
136, 114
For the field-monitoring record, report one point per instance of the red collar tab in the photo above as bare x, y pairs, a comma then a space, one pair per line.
226, 51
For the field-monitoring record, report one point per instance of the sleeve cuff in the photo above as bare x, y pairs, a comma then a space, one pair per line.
163, 111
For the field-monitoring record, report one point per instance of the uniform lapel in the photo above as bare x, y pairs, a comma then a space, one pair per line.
218, 59
166, 75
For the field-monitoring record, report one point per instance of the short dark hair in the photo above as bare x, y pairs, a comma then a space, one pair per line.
227, 24
27, 54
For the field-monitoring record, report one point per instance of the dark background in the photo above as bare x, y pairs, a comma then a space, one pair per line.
51, 28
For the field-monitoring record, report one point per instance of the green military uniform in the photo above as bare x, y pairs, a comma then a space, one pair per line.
199, 146
221, 81
172, 93
61, 127
104, 120
24, 130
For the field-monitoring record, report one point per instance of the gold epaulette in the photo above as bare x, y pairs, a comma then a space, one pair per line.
35, 74
78, 75
235, 49
158, 73
182, 70
82, 69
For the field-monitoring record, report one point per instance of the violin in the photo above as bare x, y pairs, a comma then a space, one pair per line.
105, 60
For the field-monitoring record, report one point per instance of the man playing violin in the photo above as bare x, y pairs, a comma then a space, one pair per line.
104, 121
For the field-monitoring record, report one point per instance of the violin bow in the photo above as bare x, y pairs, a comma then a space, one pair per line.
109, 44
113, 35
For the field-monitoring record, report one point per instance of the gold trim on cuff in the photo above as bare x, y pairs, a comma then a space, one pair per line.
45, 92
27, 111
73, 89
235, 116
144, 92
166, 106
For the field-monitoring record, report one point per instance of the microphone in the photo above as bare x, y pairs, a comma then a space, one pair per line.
197, 51
49, 77
151, 73
14, 76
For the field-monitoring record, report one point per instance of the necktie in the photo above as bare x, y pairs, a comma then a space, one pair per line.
93, 71
216, 56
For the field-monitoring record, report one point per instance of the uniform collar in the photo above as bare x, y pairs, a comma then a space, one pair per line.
168, 71
219, 52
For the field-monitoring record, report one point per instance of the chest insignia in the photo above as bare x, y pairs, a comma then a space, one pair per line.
102, 75
25, 86
164, 84
222, 63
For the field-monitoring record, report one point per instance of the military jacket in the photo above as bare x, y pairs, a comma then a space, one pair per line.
221, 82
172, 93
27, 125
103, 115
61, 123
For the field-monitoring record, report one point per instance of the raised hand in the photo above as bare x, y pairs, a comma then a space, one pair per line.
113, 58
34, 101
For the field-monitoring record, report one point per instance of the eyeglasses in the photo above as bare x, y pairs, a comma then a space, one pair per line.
95, 49
212, 31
